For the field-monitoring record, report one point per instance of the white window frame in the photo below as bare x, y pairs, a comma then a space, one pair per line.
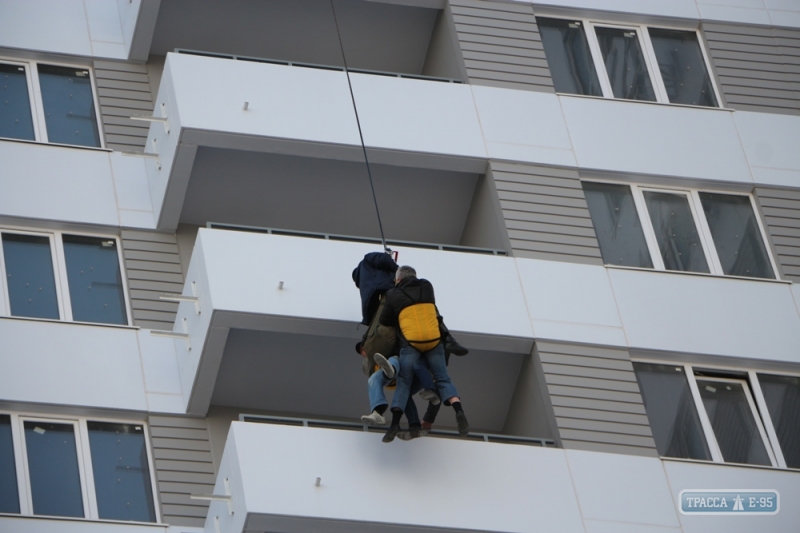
85, 466
701, 225
650, 59
755, 399
37, 103
60, 274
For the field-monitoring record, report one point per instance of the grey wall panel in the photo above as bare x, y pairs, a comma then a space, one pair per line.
545, 213
500, 44
153, 267
758, 67
594, 397
781, 211
123, 89
183, 464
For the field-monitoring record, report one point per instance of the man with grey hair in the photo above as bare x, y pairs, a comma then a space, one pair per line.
411, 308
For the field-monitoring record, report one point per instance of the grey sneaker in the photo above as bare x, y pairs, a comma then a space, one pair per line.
430, 396
463, 425
374, 419
385, 365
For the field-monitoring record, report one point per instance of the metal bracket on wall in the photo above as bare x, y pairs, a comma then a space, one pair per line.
150, 118
175, 334
218, 497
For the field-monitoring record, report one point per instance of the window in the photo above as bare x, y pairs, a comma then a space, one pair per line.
729, 416
630, 62
678, 230
48, 103
75, 468
61, 277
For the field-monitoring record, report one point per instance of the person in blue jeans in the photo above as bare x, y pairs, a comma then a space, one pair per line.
377, 396
411, 308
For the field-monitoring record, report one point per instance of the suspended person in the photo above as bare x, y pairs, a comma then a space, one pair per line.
411, 308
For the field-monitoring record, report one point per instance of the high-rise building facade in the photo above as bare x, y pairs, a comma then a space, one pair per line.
604, 193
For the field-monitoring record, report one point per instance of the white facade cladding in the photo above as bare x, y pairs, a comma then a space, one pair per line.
183, 198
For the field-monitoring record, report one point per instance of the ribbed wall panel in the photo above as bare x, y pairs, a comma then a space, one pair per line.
781, 210
184, 466
545, 213
153, 267
595, 398
758, 67
123, 89
500, 44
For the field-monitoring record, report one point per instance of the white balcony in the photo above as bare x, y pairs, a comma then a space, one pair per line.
259, 347
432, 484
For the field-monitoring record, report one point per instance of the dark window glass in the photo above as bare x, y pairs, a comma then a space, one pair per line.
95, 282
676, 233
53, 469
736, 235
732, 419
121, 472
15, 105
782, 394
627, 70
682, 67
29, 276
617, 225
68, 105
671, 411
9, 497
569, 57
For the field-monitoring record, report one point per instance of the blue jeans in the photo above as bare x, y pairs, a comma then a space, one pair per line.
377, 397
422, 372
435, 358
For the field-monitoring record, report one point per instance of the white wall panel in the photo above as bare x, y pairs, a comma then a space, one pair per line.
354, 467
70, 364
90, 28
570, 302
620, 488
771, 144
57, 183
523, 126
708, 315
694, 476
244, 270
414, 116
655, 139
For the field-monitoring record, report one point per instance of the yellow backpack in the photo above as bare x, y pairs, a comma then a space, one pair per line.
420, 326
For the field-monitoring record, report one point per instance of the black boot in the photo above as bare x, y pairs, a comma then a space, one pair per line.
452, 346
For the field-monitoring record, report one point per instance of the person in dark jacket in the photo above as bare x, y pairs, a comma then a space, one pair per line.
408, 307
373, 276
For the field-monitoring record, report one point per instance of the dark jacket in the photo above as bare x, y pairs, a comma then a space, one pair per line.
373, 276
408, 292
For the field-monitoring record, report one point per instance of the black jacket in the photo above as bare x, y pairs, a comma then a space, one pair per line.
410, 291
373, 276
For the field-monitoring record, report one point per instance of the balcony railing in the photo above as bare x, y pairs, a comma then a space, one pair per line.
353, 238
352, 426
314, 65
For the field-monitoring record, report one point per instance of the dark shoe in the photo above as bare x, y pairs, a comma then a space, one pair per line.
452, 346
463, 425
391, 433
412, 433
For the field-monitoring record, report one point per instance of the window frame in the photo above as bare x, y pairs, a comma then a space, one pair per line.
755, 398
85, 466
650, 59
60, 274
701, 224
37, 103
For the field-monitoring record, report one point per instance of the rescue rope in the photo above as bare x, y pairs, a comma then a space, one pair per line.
360, 134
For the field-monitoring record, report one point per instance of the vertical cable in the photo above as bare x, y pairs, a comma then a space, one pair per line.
360, 134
